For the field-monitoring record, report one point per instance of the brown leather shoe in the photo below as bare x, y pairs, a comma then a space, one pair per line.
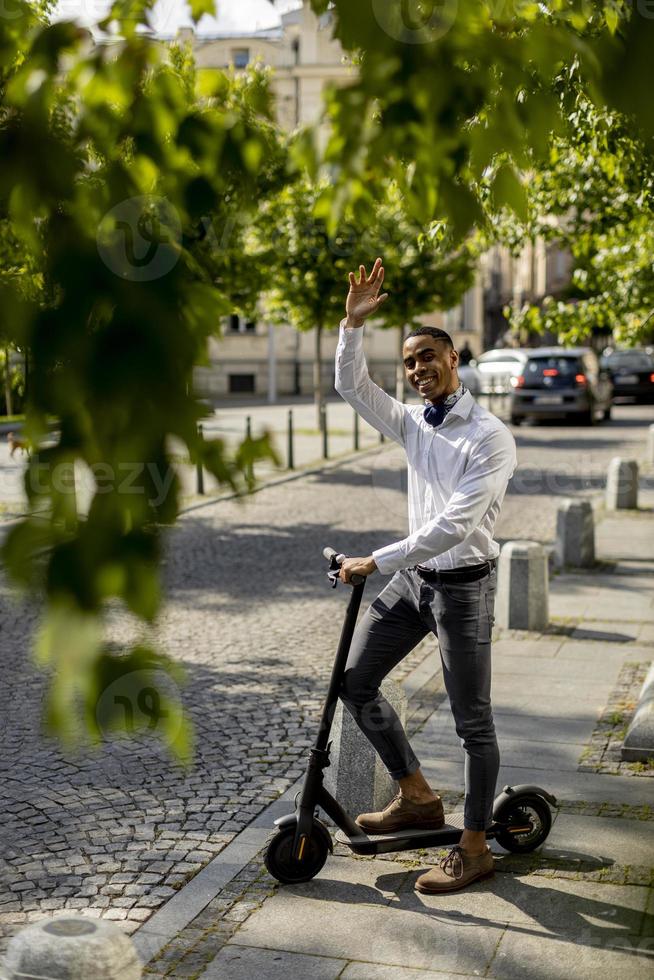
401, 814
455, 871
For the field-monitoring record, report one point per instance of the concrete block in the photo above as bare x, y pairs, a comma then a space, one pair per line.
356, 776
72, 948
638, 745
575, 534
522, 589
622, 484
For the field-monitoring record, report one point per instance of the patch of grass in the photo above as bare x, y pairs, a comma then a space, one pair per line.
615, 718
647, 766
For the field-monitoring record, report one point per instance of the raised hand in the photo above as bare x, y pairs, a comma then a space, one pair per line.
363, 298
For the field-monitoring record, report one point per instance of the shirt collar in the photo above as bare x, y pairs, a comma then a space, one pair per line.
463, 406
459, 403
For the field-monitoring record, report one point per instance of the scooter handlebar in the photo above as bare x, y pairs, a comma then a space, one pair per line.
336, 560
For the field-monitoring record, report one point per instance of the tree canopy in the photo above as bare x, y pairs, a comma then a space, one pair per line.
124, 201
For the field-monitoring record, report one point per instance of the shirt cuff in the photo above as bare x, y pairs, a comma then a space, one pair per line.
353, 335
390, 558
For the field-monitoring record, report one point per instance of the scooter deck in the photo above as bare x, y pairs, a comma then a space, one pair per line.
399, 840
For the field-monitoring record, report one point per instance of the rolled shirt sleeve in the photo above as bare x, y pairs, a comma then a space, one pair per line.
483, 484
353, 383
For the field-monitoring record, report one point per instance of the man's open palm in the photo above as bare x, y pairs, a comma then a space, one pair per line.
363, 298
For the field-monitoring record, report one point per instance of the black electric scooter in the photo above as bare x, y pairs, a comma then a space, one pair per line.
521, 814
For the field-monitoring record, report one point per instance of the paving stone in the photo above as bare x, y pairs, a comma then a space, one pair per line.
241, 963
584, 955
374, 971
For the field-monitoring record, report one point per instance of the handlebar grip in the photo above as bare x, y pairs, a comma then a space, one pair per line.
329, 553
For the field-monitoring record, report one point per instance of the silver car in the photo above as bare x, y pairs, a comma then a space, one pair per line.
497, 367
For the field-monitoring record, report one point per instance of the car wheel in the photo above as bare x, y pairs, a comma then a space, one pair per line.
607, 413
516, 419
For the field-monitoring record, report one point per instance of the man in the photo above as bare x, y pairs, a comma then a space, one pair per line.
460, 459
465, 355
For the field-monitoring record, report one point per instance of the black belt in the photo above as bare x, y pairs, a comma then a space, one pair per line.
470, 573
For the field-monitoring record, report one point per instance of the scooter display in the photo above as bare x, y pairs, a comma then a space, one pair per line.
522, 818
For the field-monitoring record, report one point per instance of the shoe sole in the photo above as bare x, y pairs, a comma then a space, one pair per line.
427, 825
457, 888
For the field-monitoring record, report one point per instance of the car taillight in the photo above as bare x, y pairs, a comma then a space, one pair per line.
651, 378
518, 381
550, 372
580, 379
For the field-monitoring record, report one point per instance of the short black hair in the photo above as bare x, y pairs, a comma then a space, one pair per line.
434, 332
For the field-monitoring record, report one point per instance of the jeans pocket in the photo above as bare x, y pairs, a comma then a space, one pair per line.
487, 617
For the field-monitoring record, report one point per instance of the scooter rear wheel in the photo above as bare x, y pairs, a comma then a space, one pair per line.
530, 812
284, 867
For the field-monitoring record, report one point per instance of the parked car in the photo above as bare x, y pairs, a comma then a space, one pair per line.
497, 367
471, 378
561, 381
632, 373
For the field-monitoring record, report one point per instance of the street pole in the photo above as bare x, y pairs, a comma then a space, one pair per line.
323, 426
248, 436
291, 462
200, 471
272, 366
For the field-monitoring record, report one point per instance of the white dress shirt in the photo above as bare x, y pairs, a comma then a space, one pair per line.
457, 472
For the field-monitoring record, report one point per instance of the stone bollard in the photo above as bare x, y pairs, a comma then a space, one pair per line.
575, 534
638, 745
650, 446
71, 948
622, 484
356, 775
522, 586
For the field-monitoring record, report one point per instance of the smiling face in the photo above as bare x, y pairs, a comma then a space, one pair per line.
430, 366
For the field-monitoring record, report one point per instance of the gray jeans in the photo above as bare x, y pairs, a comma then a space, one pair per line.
461, 616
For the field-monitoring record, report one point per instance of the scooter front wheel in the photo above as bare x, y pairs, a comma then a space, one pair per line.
284, 867
525, 824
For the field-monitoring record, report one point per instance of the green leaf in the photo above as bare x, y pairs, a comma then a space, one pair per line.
200, 7
507, 190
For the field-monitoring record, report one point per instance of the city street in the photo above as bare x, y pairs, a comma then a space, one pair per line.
117, 831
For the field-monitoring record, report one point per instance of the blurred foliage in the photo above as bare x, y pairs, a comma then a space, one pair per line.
112, 281
445, 86
593, 196
129, 185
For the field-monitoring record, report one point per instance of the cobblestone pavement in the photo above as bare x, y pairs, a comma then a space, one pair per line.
115, 833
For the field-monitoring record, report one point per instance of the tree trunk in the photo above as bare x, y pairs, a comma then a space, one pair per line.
8, 398
399, 367
317, 375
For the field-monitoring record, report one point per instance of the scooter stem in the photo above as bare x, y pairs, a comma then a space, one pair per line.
338, 669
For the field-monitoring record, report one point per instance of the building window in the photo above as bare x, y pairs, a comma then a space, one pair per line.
238, 324
241, 384
240, 57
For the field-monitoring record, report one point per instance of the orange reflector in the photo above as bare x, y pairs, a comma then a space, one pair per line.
303, 840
